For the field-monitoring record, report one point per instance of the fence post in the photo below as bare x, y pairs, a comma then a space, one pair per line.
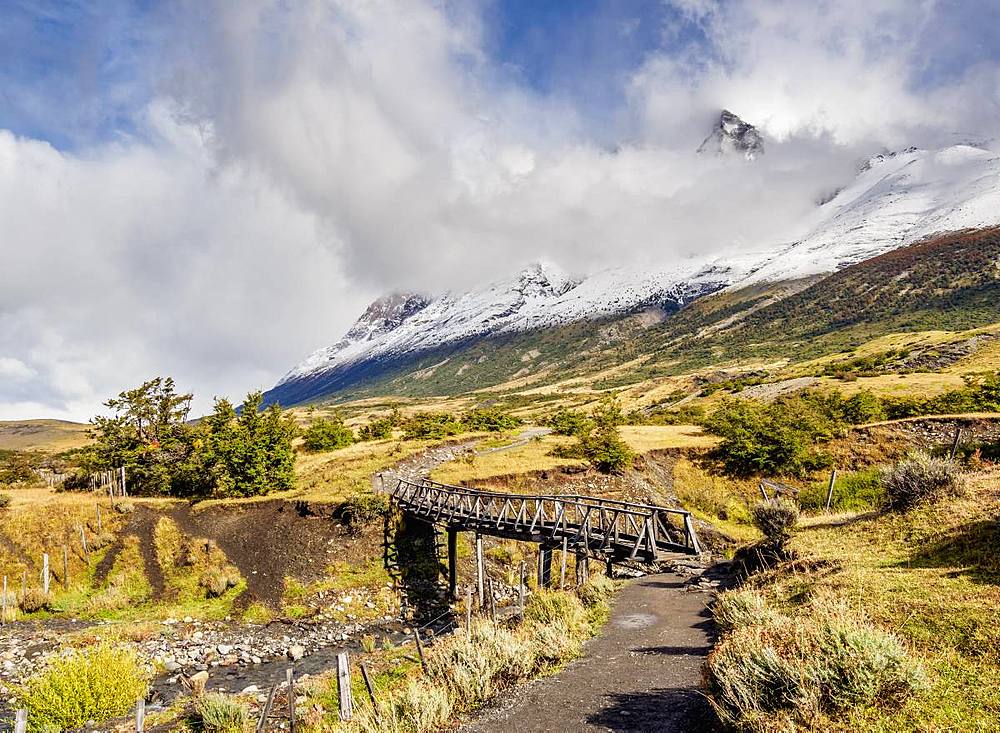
562, 564
344, 686
99, 518
468, 614
45, 573
83, 544
954, 443
266, 711
65, 567
420, 650
3, 606
520, 594
829, 491
480, 570
371, 692
140, 715
21, 721
290, 679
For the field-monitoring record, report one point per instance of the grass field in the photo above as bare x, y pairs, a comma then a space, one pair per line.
931, 576
51, 436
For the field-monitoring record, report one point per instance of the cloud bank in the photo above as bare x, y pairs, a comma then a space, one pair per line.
291, 161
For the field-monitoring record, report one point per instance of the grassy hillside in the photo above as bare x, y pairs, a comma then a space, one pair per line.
52, 436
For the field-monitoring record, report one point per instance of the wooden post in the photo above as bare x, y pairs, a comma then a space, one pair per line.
420, 650
763, 491
829, 491
65, 567
99, 518
611, 569
480, 570
562, 564
124, 495
468, 614
290, 679
452, 564
21, 721
45, 573
140, 715
544, 566
344, 686
520, 594
3, 605
493, 603
954, 443
266, 711
371, 692
83, 544
582, 567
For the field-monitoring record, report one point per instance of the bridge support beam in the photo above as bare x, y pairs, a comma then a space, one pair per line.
611, 568
453, 564
544, 566
480, 571
582, 567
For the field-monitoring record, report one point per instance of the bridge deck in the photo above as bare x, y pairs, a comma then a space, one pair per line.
615, 530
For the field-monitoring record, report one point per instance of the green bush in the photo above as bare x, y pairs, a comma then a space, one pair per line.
360, 511
378, 429
93, 684
776, 520
919, 479
569, 422
327, 434
857, 491
490, 420
605, 450
219, 713
431, 426
5, 500
777, 438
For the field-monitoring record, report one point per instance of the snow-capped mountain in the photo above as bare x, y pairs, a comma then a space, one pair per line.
731, 135
896, 199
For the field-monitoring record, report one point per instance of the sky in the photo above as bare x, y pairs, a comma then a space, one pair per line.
212, 190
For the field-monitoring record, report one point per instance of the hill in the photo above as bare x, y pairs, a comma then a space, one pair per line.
51, 436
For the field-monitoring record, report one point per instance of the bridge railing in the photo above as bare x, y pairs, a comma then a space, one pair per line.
589, 523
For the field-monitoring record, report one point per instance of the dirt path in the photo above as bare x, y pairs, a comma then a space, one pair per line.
640, 675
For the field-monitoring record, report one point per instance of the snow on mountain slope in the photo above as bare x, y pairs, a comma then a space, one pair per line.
895, 200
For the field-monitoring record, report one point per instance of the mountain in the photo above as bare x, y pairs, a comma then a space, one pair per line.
895, 200
731, 135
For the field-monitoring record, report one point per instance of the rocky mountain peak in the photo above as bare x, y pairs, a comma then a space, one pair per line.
386, 314
731, 135
543, 279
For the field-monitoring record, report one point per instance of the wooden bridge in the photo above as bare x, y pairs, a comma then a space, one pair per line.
614, 531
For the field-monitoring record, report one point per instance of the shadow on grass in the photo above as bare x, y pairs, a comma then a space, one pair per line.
666, 710
970, 549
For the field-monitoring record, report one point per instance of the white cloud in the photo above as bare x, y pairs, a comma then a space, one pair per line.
301, 157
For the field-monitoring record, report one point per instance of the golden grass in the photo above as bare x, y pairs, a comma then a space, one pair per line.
931, 576
645, 438
534, 456
51, 436
915, 384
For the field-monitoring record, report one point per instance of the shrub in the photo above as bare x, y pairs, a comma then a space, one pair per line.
919, 479
8, 606
736, 609
33, 600
781, 674
360, 511
217, 580
327, 434
93, 684
551, 607
597, 591
489, 419
219, 713
379, 429
776, 520
779, 438
605, 450
5, 500
431, 425
856, 491
569, 422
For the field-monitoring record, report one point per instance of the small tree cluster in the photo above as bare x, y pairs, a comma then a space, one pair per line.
431, 425
598, 439
326, 434
489, 420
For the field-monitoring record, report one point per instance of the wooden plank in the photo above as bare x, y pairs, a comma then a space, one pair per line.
344, 686
562, 564
371, 692
290, 694
420, 650
266, 710
480, 569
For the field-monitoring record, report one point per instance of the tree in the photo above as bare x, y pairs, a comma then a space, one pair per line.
489, 419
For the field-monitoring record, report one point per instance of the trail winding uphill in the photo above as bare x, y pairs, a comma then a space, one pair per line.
640, 675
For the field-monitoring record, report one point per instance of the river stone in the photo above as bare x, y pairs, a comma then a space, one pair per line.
296, 652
